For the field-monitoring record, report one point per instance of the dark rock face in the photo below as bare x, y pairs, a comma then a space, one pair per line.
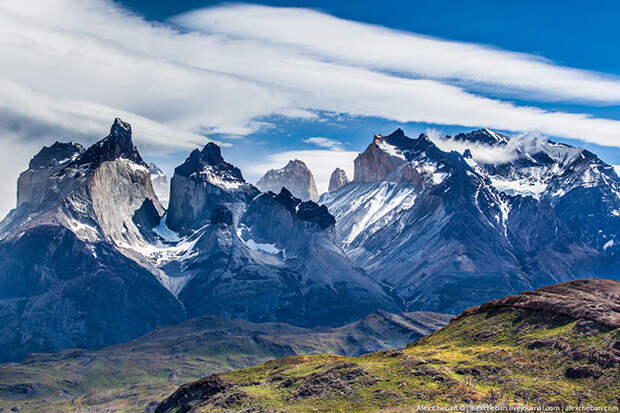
448, 232
337, 179
295, 177
58, 153
211, 156
58, 291
221, 215
306, 211
280, 264
582, 372
184, 399
201, 182
312, 212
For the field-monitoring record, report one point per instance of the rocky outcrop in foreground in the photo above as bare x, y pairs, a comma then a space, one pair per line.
591, 299
295, 176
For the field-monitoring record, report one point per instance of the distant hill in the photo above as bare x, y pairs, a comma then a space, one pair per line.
128, 377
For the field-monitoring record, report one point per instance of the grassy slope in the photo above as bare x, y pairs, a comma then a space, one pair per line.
127, 377
486, 357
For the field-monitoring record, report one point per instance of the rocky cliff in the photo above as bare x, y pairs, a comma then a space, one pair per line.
337, 179
201, 182
295, 177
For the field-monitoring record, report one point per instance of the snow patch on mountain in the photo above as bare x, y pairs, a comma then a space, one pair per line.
364, 208
215, 177
161, 184
391, 150
257, 246
164, 232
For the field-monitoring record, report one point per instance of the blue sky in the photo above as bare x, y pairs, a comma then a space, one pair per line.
266, 79
579, 34
575, 33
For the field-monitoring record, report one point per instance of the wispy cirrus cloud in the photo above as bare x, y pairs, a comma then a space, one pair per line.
68, 66
232, 64
379, 48
324, 142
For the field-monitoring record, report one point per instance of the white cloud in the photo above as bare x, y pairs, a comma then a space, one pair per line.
376, 47
324, 142
517, 146
45, 116
223, 78
321, 162
70, 67
479, 152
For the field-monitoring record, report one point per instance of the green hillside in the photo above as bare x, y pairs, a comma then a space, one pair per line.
558, 346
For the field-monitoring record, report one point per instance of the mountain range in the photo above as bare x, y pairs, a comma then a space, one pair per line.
90, 257
448, 229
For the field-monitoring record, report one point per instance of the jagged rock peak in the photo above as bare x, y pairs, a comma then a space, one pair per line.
56, 154
204, 180
312, 212
306, 210
295, 176
209, 164
397, 143
286, 198
337, 179
120, 129
483, 136
384, 157
221, 215
117, 144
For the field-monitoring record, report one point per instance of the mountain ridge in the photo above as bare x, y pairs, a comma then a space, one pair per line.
434, 223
